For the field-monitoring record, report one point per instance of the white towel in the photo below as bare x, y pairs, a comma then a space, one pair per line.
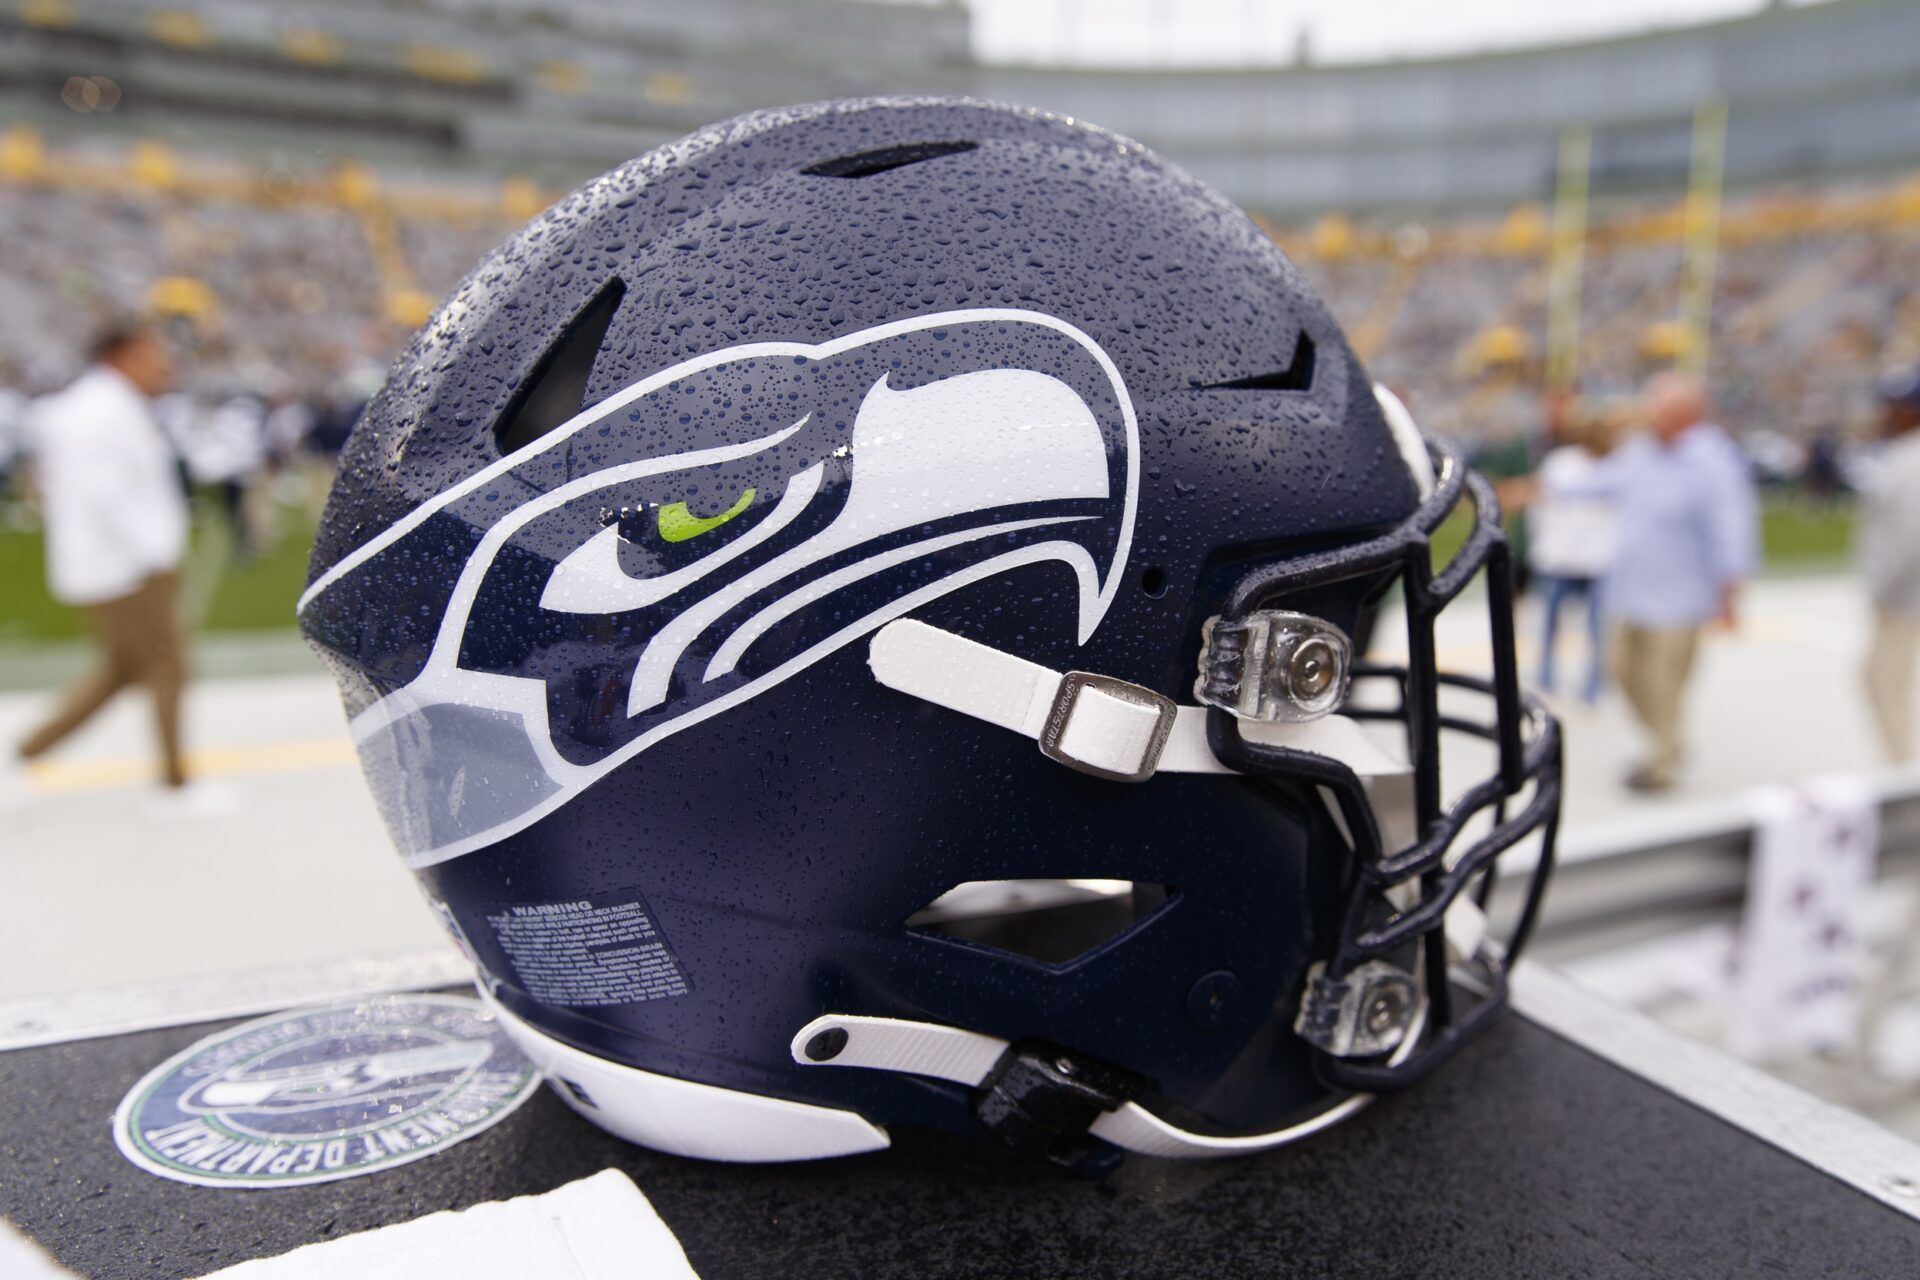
21, 1259
599, 1228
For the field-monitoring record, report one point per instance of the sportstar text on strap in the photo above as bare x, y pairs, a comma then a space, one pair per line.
969, 1058
1093, 723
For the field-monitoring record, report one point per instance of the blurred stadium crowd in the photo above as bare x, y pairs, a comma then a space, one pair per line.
288, 298
1812, 303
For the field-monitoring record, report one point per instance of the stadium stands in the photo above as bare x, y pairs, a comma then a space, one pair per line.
1813, 300
295, 183
1813, 90
558, 89
273, 295
289, 288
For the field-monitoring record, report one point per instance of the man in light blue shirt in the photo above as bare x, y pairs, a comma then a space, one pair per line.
1688, 538
1888, 538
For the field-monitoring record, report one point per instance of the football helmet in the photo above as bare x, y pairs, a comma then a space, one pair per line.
860, 617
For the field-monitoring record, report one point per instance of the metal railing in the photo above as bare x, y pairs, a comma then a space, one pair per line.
1628, 881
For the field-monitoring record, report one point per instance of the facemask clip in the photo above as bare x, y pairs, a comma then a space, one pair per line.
1362, 1015
1273, 665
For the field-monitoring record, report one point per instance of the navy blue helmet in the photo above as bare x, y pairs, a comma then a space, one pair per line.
864, 616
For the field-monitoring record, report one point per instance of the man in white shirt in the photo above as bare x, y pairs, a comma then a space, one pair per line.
116, 525
1890, 559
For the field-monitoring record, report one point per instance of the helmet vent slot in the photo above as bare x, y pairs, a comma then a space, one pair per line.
1054, 922
865, 164
556, 390
1297, 376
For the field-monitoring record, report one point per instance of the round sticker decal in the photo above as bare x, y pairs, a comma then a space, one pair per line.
319, 1094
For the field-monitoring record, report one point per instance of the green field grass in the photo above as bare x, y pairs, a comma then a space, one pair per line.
227, 596
222, 594
1793, 537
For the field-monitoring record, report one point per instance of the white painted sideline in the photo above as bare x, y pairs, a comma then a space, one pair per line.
112, 1011
1838, 1142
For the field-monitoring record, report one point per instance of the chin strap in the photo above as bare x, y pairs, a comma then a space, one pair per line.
1095, 724
1047, 1100
1038, 1097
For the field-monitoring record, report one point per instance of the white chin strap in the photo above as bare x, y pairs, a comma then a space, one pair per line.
966, 1057
1101, 726
1092, 723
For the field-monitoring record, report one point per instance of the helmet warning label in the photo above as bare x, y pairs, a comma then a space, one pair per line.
586, 954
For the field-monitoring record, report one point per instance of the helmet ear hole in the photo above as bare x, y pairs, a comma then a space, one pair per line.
1053, 922
557, 388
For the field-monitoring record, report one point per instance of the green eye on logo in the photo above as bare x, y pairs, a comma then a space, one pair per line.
677, 524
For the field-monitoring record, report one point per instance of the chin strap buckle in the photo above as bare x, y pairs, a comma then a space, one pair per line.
1097, 724
1107, 727
1041, 1099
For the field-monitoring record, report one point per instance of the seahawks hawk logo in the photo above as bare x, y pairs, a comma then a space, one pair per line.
394, 1080
708, 532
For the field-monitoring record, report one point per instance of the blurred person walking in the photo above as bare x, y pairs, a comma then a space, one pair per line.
13, 421
225, 448
1824, 478
1572, 530
1890, 561
116, 526
1688, 537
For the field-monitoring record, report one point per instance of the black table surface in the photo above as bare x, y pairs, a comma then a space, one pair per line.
1526, 1157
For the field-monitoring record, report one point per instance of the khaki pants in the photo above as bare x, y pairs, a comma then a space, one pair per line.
1888, 675
140, 642
1652, 665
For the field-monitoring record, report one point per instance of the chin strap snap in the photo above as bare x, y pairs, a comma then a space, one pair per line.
1096, 724
1027, 1098
1042, 1100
